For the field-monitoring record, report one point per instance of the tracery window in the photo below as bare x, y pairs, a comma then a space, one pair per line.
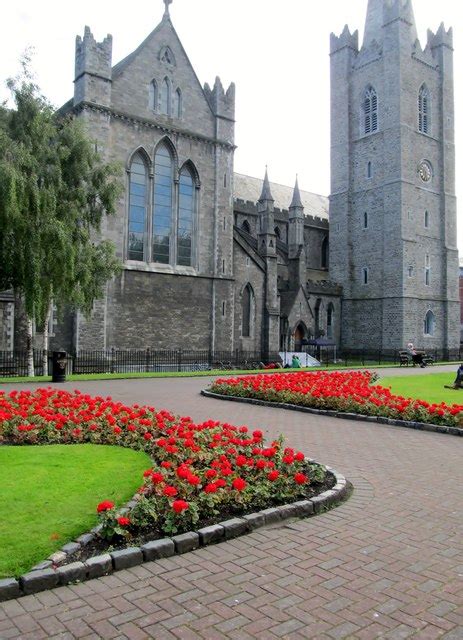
137, 208
424, 110
370, 109
166, 234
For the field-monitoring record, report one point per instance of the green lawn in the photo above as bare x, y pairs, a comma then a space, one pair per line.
49, 495
194, 374
428, 387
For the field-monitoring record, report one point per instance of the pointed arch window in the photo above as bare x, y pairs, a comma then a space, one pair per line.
246, 227
325, 254
247, 311
370, 109
330, 321
178, 104
153, 95
186, 211
424, 111
162, 205
278, 232
138, 192
165, 97
429, 324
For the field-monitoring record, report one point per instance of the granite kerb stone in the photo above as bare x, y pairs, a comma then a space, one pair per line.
407, 424
47, 576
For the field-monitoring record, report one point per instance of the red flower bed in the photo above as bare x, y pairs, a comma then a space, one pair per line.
349, 391
199, 470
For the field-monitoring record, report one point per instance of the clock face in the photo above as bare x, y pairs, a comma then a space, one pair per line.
425, 171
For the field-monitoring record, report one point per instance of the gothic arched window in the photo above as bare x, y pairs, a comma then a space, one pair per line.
424, 111
429, 324
370, 111
165, 97
162, 204
325, 254
178, 104
277, 232
138, 180
246, 227
186, 210
247, 304
153, 95
330, 321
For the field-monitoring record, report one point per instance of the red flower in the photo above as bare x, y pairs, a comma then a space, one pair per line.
170, 491
240, 461
147, 435
273, 475
106, 505
300, 478
299, 456
117, 430
180, 505
211, 487
123, 522
239, 484
157, 477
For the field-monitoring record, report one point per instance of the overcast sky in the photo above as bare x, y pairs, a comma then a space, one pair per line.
276, 52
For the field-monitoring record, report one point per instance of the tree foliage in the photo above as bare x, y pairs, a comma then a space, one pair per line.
54, 193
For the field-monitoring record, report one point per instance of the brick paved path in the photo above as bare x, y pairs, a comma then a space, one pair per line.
387, 564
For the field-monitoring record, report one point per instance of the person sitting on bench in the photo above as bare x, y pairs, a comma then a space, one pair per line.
417, 358
458, 382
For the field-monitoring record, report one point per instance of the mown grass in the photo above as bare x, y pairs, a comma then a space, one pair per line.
193, 374
49, 495
429, 387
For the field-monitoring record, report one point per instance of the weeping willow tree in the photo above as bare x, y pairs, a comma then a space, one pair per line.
54, 193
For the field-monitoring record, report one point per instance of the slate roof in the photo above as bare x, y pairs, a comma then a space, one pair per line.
249, 189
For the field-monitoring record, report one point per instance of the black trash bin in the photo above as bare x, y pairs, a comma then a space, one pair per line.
59, 359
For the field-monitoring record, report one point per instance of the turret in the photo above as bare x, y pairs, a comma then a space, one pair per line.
93, 69
223, 107
296, 224
265, 208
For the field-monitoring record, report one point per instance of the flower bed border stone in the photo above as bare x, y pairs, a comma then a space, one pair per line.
393, 422
46, 575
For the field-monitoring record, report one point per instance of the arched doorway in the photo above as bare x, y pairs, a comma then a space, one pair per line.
299, 335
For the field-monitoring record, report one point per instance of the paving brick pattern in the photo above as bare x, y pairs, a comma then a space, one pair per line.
387, 564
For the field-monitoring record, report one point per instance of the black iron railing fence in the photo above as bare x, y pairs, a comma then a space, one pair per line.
14, 363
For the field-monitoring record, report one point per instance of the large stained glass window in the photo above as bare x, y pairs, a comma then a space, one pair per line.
186, 209
162, 205
137, 209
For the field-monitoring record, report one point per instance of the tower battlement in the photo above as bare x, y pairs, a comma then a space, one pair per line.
92, 81
221, 102
92, 56
345, 39
442, 38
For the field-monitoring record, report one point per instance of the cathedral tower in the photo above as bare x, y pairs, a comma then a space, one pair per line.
392, 204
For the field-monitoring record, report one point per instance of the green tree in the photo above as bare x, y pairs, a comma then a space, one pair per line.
54, 192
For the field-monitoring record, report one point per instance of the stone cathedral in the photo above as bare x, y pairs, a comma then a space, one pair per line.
217, 260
